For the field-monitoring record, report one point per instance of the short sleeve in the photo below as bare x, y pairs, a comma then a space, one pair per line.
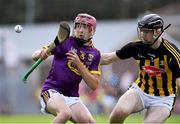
95, 65
175, 61
126, 51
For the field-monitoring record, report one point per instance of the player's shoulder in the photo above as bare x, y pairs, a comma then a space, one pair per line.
170, 46
93, 46
171, 50
94, 49
69, 40
137, 41
134, 43
97, 51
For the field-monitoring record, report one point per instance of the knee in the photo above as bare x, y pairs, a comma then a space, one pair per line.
150, 121
66, 115
153, 121
119, 114
92, 121
88, 120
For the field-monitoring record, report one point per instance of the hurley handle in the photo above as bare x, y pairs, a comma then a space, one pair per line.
31, 69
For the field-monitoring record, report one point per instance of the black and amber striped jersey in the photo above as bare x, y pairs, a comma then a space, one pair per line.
158, 68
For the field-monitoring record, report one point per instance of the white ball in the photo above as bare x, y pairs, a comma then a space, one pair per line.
18, 28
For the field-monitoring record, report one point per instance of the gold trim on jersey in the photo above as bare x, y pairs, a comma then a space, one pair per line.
76, 71
95, 72
150, 82
159, 84
138, 81
141, 80
169, 76
45, 96
159, 78
151, 89
72, 68
173, 51
155, 75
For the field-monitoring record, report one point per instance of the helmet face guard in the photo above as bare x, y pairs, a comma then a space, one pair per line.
145, 31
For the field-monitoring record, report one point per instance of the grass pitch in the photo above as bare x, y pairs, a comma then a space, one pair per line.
35, 119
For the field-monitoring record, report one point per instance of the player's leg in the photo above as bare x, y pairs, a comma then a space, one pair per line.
56, 105
80, 113
156, 115
159, 108
128, 103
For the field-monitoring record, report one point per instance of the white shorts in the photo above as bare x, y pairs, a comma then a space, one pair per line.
51, 92
149, 100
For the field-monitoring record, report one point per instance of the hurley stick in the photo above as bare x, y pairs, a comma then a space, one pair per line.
63, 33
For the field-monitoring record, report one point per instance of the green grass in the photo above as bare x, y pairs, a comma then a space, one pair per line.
20, 119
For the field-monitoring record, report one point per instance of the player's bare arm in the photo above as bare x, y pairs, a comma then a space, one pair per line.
92, 80
63, 33
108, 58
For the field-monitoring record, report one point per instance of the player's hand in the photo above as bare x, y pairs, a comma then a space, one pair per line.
40, 54
44, 54
73, 57
36, 55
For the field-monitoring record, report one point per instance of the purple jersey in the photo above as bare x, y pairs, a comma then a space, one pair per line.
63, 76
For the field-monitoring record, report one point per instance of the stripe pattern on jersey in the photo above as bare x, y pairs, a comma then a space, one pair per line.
164, 83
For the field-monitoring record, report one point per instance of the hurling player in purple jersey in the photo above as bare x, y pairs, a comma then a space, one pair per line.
159, 73
74, 59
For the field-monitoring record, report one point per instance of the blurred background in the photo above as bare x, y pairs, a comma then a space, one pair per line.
116, 25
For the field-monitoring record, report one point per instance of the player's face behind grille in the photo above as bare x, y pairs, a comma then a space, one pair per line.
147, 36
82, 31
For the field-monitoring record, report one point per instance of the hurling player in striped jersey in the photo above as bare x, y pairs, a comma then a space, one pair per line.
159, 73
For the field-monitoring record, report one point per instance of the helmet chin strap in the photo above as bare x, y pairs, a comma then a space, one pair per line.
82, 41
156, 38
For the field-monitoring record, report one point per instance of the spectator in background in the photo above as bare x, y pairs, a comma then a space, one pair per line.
125, 81
110, 86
